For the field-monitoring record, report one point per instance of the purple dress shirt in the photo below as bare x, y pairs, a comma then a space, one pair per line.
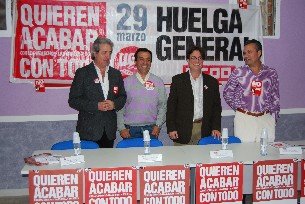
239, 93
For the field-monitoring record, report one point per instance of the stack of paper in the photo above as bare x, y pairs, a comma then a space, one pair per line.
291, 150
221, 154
150, 158
72, 160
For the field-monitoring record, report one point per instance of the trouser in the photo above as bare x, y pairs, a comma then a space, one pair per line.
249, 128
104, 142
196, 135
137, 131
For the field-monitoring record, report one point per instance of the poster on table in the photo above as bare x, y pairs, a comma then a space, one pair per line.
302, 199
219, 183
111, 185
275, 181
52, 38
165, 184
56, 186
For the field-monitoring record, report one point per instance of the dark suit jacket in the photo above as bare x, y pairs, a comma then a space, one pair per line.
180, 107
86, 92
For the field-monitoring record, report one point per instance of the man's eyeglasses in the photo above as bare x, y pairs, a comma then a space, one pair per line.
196, 58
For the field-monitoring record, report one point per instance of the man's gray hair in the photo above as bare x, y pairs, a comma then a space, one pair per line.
96, 45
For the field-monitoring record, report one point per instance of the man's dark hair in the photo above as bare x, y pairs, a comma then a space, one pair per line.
142, 50
192, 49
257, 44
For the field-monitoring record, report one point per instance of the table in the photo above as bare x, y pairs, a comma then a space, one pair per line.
172, 155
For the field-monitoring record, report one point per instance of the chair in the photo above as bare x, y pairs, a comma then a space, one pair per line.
137, 142
213, 140
68, 144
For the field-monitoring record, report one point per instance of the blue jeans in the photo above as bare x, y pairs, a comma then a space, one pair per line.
137, 131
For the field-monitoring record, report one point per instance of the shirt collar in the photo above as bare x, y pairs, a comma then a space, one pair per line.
140, 78
192, 79
98, 69
263, 67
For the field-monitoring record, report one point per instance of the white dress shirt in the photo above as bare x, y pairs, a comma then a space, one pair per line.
103, 80
197, 86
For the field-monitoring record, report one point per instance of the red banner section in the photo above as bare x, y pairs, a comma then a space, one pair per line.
220, 72
111, 185
219, 183
53, 38
165, 184
56, 186
275, 180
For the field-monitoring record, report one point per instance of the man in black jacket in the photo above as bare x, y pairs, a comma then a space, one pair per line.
97, 92
194, 105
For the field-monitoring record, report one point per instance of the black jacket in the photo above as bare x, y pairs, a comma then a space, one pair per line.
180, 107
86, 92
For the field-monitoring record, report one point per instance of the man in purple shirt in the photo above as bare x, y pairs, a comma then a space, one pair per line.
145, 106
253, 92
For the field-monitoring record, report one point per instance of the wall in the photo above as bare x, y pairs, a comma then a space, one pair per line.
50, 119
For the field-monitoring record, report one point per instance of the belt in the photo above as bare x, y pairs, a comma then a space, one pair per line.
137, 126
199, 120
251, 113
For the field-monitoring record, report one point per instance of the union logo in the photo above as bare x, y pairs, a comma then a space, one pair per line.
124, 61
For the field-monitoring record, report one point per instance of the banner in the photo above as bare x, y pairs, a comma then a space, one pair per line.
219, 183
165, 184
53, 38
275, 181
56, 186
111, 185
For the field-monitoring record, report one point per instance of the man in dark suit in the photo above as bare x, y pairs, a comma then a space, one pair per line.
194, 105
97, 92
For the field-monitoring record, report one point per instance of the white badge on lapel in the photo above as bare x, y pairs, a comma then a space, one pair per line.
96, 80
115, 90
149, 85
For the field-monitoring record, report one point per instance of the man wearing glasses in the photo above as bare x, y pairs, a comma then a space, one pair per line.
194, 105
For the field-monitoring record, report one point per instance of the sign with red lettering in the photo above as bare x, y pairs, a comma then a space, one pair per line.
256, 88
302, 199
39, 85
243, 4
219, 183
275, 181
111, 185
165, 184
53, 38
56, 186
